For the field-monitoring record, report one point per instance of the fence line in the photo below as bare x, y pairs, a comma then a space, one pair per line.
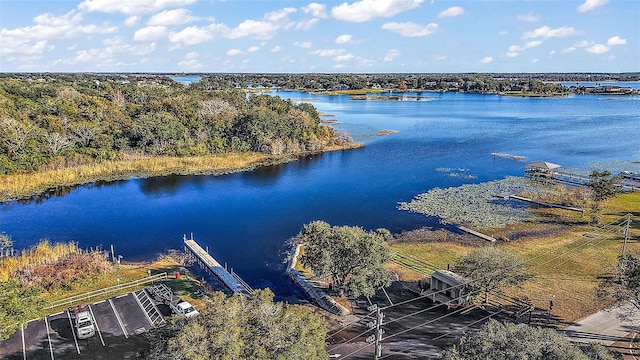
105, 291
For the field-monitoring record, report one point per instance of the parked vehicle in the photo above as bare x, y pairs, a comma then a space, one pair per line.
184, 308
162, 293
82, 322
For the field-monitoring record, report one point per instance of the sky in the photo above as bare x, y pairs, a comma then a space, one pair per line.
293, 36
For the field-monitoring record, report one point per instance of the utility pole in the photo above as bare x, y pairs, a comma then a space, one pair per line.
623, 260
626, 234
377, 336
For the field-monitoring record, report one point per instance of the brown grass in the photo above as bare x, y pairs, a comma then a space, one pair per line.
567, 264
17, 186
43, 253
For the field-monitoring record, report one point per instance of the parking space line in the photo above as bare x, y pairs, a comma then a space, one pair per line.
24, 348
146, 315
46, 323
73, 331
121, 296
118, 318
95, 322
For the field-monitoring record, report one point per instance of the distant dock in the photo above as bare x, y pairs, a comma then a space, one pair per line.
546, 171
207, 262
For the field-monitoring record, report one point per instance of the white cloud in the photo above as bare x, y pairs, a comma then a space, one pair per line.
150, 33
255, 29
172, 17
533, 61
34, 39
452, 11
47, 19
339, 66
306, 25
616, 40
528, 17
279, 15
590, 5
486, 60
131, 21
598, 49
511, 54
191, 35
345, 57
189, 64
365, 10
276, 49
411, 29
343, 39
336, 54
110, 54
580, 44
315, 9
234, 52
131, 7
35, 48
391, 55
546, 32
528, 45
302, 44
190, 61
253, 48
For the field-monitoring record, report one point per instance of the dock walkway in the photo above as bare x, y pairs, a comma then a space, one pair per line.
320, 297
209, 263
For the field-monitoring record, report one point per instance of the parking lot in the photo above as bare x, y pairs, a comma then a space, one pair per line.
118, 323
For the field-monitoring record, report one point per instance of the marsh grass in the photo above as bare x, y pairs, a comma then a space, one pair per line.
43, 253
24, 185
27, 184
568, 266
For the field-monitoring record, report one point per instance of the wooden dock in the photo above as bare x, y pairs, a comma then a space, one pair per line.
207, 262
548, 172
475, 233
516, 197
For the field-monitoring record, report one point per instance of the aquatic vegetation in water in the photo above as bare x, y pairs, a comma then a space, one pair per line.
508, 156
474, 204
457, 173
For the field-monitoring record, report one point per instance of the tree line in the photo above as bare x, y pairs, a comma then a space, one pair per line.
77, 120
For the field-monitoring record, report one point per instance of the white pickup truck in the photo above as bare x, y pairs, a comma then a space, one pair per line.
162, 293
82, 322
184, 308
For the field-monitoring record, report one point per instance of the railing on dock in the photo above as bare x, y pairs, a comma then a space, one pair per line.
207, 262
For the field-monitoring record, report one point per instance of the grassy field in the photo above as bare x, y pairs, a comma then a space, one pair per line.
566, 255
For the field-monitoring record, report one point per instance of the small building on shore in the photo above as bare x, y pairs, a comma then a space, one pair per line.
448, 288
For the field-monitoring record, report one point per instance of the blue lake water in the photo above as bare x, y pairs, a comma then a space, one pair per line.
246, 218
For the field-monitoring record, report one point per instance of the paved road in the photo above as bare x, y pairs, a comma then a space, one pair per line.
610, 328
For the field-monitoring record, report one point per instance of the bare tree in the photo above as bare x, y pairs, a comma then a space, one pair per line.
84, 133
57, 142
215, 107
15, 134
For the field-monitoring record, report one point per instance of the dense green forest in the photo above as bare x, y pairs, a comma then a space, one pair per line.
69, 120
